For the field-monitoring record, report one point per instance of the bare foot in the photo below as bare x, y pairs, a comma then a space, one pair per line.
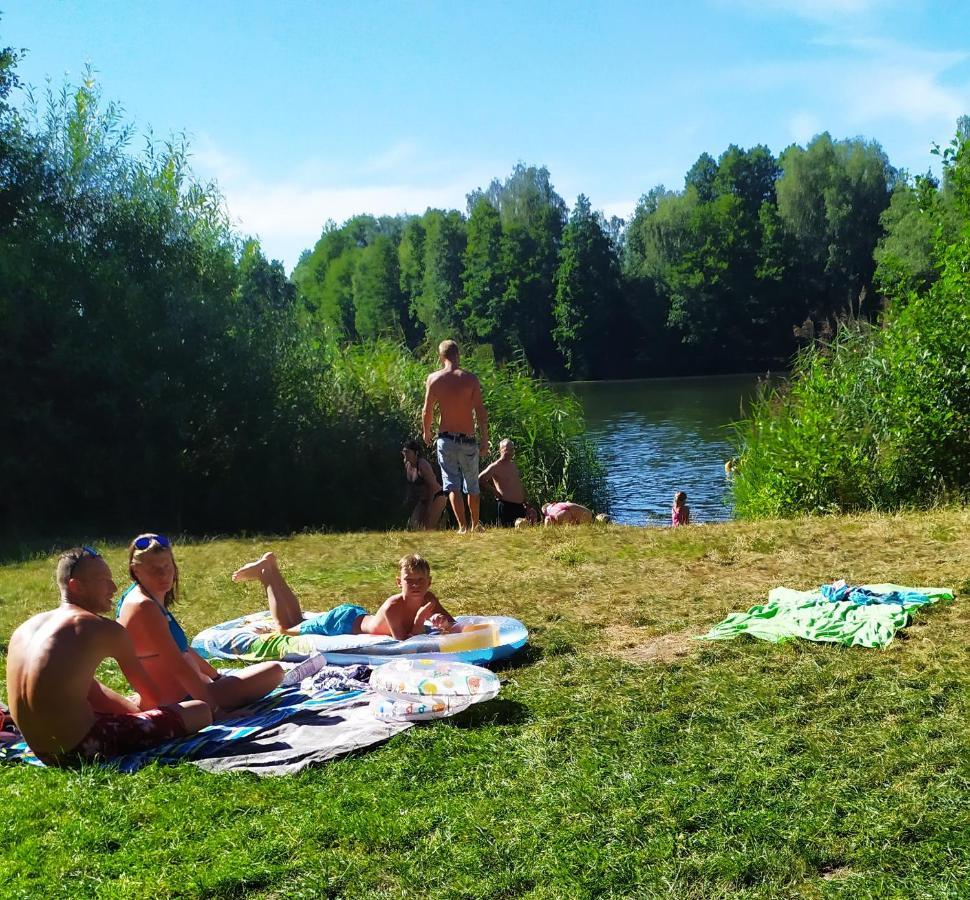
479, 527
462, 530
254, 571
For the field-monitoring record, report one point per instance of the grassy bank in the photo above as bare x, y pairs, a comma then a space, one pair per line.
621, 759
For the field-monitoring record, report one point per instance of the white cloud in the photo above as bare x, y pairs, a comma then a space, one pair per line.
803, 126
287, 213
866, 81
828, 11
621, 208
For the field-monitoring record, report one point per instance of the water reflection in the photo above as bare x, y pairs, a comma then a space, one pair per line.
660, 436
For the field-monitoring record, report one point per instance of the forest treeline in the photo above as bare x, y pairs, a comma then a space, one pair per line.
157, 372
752, 258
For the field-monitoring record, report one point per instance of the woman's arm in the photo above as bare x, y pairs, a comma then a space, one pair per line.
149, 629
430, 479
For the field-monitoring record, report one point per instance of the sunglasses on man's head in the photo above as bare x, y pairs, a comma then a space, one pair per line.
146, 540
84, 554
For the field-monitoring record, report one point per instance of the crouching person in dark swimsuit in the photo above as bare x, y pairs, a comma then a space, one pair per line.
424, 489
64, 713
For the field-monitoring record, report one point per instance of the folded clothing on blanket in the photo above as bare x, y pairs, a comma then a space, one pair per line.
866, 616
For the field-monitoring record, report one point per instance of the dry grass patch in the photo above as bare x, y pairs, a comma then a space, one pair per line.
661, 648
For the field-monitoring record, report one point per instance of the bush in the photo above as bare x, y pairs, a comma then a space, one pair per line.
879, 418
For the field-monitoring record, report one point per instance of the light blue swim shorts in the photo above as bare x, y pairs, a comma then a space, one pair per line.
459, 464
340, 620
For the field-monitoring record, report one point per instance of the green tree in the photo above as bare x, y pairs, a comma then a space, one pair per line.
444, 246
587, 293
378, 304
831, 195
482, 306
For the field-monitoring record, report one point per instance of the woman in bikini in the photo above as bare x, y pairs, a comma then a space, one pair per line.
424, 489
177, 670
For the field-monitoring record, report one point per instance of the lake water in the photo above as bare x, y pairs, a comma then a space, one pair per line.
661, 435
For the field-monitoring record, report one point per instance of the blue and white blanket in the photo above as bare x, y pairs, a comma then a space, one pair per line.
271, 736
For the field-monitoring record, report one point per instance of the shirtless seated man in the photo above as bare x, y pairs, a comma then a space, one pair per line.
401, 616
64, 713
503, 478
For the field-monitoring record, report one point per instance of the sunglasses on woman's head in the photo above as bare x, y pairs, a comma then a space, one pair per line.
146, 540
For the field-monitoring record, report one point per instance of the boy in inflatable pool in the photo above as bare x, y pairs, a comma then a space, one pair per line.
401, 616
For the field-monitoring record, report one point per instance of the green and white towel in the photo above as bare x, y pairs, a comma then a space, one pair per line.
808, 614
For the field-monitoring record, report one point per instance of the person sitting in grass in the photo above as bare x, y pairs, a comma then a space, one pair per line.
64, 713
566, 513
401, 616
680, 511
161, 643
503, 478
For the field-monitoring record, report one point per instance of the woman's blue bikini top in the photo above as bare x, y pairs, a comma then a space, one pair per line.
173, 626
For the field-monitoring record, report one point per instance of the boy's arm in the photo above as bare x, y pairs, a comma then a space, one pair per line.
427, 411
431, 608
390, 619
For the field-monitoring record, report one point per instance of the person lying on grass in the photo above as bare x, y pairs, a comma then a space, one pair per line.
64, 713
566, 513
401, 616
161, 644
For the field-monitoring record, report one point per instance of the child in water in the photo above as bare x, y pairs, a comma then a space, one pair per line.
680, 512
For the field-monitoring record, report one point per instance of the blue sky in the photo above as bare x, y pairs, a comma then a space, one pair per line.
308, 111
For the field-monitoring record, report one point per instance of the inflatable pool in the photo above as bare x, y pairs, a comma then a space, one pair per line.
484, 639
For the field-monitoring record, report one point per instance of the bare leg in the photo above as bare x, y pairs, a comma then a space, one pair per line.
474, 503
435, 508
458, 507
416, 522
283, 605
240, 687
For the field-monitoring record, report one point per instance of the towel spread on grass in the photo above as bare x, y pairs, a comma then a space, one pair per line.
865, 616
325, 716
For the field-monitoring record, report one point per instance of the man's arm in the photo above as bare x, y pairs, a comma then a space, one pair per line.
481, 417
427, 412
104, 700
487, 474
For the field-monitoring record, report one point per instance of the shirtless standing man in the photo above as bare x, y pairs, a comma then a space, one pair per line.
458, 396
506, 483
64, 713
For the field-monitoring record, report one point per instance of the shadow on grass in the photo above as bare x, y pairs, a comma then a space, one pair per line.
494, 712
527, 656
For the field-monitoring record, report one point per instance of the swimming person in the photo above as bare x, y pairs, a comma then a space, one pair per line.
65, 714
161, 644
401, 616
424, 489
505, 481
680, 511
458, 396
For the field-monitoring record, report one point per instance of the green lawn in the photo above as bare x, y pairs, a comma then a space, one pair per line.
621, 758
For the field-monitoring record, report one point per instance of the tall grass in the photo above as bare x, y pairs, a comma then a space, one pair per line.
880, 417
375, 391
